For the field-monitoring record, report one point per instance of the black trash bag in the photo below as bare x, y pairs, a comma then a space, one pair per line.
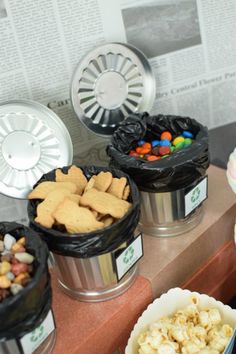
174, 172
95, 243
23, 312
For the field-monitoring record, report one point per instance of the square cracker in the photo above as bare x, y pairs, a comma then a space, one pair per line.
75, 218
75, 175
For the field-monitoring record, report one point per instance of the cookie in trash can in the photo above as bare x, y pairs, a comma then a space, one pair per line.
75, 218
117, 187
74, 175
48, 206
105, 203
41, 190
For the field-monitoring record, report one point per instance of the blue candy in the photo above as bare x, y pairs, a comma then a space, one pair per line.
141, 142
187, 134
155, 143
165, 142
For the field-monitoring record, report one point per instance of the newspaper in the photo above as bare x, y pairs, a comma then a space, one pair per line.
189, 43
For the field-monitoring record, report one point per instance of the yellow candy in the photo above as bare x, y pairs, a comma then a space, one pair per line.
21, 277
178, 140
4, 282
5, 267
21, 241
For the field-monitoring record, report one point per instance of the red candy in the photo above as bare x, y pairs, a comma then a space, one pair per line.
166, 136
19, 268
164, 150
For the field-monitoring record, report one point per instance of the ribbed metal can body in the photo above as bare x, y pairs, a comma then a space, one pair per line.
163, 214
92, 279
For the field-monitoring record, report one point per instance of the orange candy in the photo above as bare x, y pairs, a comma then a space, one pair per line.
153, 158
147, 146
166, 136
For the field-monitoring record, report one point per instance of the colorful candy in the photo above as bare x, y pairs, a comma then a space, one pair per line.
158, 149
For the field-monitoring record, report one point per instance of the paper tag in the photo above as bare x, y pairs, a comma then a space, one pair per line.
196, 196
129, 256
31, 341
231, 347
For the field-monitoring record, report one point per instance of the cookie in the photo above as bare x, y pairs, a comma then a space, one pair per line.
46, 208
74, 175
75, 198
102, 181
107, 220
90, 184
75, 218
105, 203
126, 193
41, 190
117, 187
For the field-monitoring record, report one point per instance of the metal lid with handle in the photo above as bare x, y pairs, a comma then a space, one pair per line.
33, 141
110, 82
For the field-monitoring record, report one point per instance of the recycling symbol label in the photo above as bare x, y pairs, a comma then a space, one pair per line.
128, 256
37, 333
195, 194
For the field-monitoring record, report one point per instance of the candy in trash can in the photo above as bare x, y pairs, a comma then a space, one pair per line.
166, 135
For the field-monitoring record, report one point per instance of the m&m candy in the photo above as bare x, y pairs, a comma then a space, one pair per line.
162, 147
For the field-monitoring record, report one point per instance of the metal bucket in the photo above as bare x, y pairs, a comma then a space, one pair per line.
92, 279
14, 346
164, 214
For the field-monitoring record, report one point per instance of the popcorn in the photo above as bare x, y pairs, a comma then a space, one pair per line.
188, 331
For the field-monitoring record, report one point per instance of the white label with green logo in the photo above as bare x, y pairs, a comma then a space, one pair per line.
129, 256
31, 341
196, 196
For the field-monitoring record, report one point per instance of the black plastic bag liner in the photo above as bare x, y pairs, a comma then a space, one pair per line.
171, 173
23, 312
95, 243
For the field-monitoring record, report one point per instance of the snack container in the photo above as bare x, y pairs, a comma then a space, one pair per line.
98, 265
172, 189
172, 301
27, 323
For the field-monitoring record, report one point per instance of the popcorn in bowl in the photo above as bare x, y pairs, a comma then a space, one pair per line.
183, 322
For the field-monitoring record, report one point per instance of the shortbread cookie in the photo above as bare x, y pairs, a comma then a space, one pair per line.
102, 181
47, 207
76, 219
117, 187
107, 220
126, 193
75, 175
105, 203
90, 184
75, 198
41, 190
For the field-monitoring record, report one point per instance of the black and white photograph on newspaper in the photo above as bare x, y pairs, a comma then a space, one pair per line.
3, 11
162, 26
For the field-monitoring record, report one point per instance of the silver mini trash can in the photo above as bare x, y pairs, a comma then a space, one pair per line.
99, 265
172, 189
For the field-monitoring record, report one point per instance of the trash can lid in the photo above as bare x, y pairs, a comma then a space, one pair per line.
109, 83
33, 141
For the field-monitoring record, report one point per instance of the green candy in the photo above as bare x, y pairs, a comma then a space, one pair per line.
179, 145
172, 148
187, 141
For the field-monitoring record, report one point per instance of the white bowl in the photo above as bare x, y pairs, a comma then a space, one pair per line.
172, 301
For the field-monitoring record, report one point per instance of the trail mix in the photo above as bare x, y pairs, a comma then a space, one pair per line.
16, 265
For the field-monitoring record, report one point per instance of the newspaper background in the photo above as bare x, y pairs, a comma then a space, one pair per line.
190, 45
